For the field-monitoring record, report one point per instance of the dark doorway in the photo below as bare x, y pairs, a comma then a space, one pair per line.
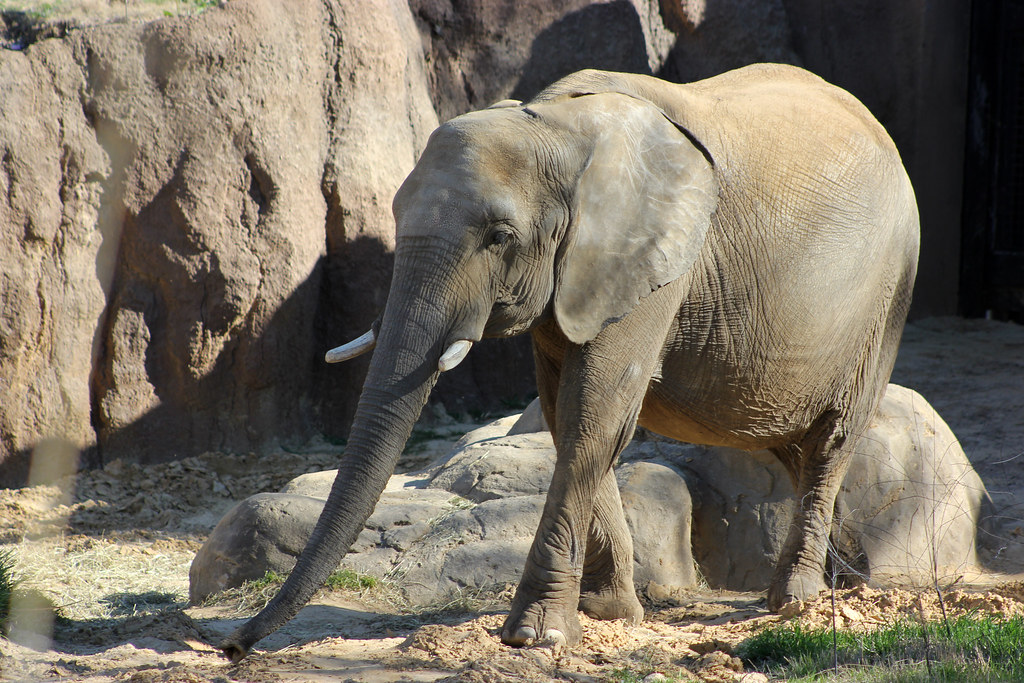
992, 277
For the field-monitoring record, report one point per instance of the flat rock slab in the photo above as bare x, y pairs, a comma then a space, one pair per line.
910, 506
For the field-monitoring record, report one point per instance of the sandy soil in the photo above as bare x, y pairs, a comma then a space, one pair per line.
112, 548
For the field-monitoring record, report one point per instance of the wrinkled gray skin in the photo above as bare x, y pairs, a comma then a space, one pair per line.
727, 262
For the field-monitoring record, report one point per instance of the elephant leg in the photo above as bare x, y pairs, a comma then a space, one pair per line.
600, 392
800, 573
845, 562
846, 565
606, 590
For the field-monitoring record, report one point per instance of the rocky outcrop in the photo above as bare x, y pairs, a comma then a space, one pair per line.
164, 229
908, 513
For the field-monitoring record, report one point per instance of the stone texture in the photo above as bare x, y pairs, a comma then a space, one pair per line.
212, 200
912, 498
911, 505
498, 467
265, 532
531, 420
53, 278
167, 218
468, 530
659, 512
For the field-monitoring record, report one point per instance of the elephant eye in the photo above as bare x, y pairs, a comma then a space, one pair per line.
500, 236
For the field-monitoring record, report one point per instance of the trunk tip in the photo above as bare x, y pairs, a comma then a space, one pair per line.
233, 650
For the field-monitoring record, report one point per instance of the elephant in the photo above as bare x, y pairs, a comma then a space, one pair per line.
726, 262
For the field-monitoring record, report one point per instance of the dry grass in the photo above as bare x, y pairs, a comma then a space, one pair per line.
102, 578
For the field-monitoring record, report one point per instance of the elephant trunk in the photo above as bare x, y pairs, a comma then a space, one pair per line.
413, 334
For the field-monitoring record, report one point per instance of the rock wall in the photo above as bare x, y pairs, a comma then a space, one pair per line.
168, 187
193, 210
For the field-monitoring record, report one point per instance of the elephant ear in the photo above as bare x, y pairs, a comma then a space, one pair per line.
644, 202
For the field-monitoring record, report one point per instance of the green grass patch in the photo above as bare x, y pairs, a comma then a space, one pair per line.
341, 580
252, 596
271, 578
964, 649
348, 580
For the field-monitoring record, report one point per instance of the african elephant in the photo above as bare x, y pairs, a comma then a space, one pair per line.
725, 262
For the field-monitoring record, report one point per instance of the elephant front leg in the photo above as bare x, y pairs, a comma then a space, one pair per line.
600, 393
544, 607
606, 589
581, 557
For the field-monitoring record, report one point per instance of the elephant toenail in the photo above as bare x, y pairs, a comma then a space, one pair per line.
554, 639
521, 637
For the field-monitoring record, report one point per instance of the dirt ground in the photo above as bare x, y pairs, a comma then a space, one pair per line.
111, 549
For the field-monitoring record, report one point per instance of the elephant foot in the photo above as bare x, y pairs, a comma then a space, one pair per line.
795, 588
557, 628
607, 606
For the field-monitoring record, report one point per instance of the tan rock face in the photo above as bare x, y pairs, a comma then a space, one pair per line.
170, 193
192, 211
51, 289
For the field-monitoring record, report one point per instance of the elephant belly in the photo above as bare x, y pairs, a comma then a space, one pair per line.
710, 425
750, 405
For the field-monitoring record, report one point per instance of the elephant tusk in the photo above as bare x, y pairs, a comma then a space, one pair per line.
356, 347
454, 355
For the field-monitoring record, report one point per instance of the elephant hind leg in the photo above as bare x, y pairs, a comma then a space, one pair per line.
846, 564
606, 588
826, 452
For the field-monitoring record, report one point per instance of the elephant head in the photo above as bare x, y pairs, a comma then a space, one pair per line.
571, 209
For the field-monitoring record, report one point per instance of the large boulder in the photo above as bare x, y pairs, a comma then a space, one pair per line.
909, 510
462, 526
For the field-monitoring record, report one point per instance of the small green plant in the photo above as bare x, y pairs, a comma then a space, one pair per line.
964, 649
348, 580
254, 595
460, 503
251, 596
271, 578
625, 676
